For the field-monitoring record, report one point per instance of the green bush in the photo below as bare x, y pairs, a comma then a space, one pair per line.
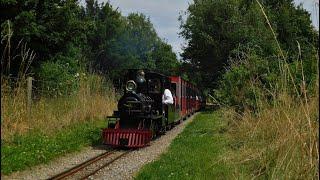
244, 82
60, 75
56, 79
256, 77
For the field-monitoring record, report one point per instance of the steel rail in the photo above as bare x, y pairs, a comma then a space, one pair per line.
106, 164
81, 166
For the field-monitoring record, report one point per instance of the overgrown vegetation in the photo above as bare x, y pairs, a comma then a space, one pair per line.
259, 59
276, 134
92, 101
54, 124
221, 32
280, 141
73, 53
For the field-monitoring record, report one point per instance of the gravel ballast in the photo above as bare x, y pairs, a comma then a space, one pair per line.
45, 171
123, 168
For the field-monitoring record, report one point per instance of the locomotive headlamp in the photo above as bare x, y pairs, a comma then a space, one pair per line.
131, 85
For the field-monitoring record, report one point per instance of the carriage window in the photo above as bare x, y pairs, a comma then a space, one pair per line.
173, 88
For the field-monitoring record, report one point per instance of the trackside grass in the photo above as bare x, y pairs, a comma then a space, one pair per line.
54, 125
36, 148
197, 153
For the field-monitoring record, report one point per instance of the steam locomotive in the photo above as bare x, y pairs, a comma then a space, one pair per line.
141, 115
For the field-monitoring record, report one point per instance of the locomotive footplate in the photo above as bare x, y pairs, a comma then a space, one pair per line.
131, 138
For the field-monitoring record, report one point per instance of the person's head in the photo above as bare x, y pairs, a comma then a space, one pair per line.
166, 85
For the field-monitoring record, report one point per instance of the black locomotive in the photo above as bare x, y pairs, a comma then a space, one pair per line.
141, 114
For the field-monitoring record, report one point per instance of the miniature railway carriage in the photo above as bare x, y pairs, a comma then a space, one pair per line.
141, 115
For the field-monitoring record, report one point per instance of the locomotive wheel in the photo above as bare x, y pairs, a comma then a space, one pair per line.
153, 129
158, 129
168, 127
162, 129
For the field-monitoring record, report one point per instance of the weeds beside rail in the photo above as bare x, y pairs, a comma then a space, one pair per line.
49, 114
280, 138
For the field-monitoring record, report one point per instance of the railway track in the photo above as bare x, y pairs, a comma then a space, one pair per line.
91, 166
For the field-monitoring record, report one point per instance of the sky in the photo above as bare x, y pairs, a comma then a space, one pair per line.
164, 15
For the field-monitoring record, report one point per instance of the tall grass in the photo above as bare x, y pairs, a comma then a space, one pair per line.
92, 101
279, 140
64, 115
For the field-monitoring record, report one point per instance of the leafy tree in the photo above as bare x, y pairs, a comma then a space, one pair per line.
292, 24
47, 26
104, 25
97, 38
220, 31
138, 41
165, 59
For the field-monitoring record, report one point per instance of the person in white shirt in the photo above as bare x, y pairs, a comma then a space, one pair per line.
167, 97
167, 100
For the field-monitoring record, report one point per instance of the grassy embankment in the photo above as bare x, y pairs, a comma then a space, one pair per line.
280, 138
279, 142
54, 127
197, 153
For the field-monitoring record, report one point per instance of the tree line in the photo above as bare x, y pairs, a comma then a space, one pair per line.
68, 38
232, 43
